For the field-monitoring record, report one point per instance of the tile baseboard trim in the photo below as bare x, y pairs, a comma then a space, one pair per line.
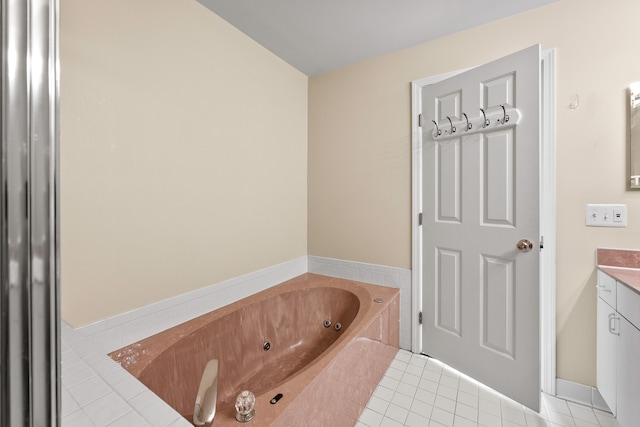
580, 393
375, 274
126, 328
123, 329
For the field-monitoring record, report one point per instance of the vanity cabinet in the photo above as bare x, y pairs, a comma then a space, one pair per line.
618, 349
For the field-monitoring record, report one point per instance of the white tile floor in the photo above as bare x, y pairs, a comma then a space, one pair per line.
418, 391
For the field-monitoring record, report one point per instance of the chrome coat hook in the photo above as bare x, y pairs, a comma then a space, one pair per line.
453, 128
469, 125
505, 117
437, 132
485, 122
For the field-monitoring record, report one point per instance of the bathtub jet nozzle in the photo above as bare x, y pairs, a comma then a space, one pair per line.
326, 323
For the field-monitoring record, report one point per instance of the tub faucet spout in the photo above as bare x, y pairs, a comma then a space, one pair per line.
205, 407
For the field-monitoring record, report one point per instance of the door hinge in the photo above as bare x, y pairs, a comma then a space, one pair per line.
420, 218
420, 318
541, 243
420, 120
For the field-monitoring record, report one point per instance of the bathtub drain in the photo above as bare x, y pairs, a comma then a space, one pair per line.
266, 346
276, 398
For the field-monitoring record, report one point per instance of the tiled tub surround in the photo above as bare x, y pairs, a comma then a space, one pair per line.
306, 362
96, 391
621, 264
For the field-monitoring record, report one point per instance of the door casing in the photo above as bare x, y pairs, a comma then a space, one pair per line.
547, 216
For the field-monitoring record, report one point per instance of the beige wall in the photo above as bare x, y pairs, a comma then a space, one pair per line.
360, 157
183, 154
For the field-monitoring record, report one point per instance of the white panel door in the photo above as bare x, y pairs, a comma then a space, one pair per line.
480, 199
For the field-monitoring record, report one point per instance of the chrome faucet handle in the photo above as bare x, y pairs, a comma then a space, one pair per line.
205, 406
245, 406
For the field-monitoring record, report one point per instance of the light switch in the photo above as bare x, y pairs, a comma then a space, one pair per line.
599, 215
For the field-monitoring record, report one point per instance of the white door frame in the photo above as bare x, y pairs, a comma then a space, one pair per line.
547, 216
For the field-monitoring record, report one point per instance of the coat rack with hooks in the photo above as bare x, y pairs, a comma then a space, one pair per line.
486, 120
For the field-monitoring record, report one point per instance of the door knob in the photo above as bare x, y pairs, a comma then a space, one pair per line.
525, 245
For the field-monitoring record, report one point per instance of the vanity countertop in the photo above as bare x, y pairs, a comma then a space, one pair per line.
628, 276
621, 264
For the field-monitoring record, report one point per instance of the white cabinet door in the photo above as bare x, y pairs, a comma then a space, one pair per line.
607, 342
628, 389
628, 304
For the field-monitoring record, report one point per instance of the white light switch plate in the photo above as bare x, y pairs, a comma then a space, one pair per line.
606, 215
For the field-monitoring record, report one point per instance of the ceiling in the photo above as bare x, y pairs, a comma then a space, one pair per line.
316, 36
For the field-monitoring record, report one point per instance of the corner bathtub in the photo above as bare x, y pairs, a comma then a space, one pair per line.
325, 376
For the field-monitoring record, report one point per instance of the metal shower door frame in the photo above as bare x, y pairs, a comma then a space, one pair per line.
29, 237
